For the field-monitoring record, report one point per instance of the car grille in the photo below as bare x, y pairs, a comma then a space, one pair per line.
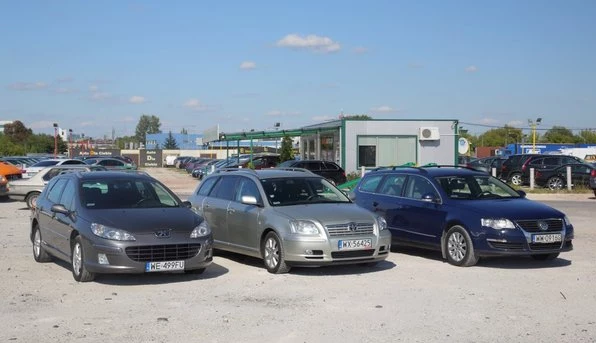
352, 253
344, 229
532, 225
157, 253
545, 246
507, 245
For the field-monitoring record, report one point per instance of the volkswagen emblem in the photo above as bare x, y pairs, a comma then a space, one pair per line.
542, 225
163, 233
352, 227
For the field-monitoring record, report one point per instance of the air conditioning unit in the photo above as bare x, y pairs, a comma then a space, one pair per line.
429, 134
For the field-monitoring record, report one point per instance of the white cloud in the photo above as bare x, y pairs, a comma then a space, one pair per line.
28, 86
278, 113
248, 65
471, 69
323, 118
383, 109
195, 105
360, 50
93, 88
515, 123
274, 113
127, 119
309, 42
64, 79
100, 96
137, 99
64, 90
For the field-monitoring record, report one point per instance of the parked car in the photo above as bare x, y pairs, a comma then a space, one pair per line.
593, 180
543, 162
111, 163
189, 166
511, 169
115, 222
486, 164
288, 218
28, 190
465, 214
35, 168
200, 170
259, 161
8, 172
556, 178
327, 169
590, 158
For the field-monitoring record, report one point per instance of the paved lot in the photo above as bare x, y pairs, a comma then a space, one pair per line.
412, 297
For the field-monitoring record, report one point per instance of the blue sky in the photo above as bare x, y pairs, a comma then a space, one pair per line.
92, 66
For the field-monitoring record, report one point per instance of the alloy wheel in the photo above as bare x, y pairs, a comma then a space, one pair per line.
37, 244
271, 253
77, 259
457, 247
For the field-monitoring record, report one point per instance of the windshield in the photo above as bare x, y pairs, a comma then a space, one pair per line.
476, 187
301, 190
122, 193
45, 163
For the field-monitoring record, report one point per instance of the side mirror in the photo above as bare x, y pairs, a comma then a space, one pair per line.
352, 196
521, 193
249, 200
186, 204
59, 208
430, 197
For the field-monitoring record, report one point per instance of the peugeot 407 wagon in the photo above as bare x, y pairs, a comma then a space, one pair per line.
463, 213
289, 218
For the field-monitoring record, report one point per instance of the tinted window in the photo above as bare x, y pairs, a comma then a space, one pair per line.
418, 187
551, 161
313, 165
536, 162
369, 184
54, 194
45, 163
393, 185
51, 173
568, 160
125, 193
68, 195
73, 162
207, 185
331, 166
226, 188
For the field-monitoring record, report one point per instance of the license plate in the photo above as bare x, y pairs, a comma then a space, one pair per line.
354, 244
164, 266
551, 238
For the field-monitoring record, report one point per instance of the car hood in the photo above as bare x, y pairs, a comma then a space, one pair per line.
145, 219
327, 213
514, 209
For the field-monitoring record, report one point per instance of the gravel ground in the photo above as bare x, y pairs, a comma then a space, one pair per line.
414, 296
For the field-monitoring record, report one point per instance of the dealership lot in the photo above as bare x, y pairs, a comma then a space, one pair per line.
412, 296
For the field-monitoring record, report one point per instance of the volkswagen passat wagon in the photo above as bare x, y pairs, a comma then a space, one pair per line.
115, 222
463, 213
288, 218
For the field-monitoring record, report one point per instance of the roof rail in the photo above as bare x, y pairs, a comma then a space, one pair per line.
449, 166
304, 170
232, 169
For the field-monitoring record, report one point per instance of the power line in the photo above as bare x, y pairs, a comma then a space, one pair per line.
527, 128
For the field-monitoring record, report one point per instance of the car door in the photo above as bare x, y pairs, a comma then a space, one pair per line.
215, 207
422, 219
64, 224
243, 219
389, 203
47, 224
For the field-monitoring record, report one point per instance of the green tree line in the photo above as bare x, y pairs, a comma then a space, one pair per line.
506, 135
17, 139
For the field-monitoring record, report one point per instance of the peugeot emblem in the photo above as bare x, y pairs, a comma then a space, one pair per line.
542, 225
352, 227
163, 233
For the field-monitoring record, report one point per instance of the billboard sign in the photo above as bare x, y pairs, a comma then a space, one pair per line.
149, 158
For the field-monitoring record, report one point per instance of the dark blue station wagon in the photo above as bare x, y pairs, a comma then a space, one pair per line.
464, 213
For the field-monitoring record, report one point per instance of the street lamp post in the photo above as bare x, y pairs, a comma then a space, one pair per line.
55, 139
69, 143
533, 125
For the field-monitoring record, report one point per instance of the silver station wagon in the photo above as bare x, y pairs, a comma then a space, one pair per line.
289, 217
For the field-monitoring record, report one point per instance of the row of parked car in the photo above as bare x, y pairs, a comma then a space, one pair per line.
108, 222
550, 171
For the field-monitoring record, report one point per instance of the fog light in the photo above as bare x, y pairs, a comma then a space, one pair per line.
308, 252
102, 259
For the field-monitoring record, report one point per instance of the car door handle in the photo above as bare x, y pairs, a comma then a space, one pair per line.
206, 206
231, 210
375, 204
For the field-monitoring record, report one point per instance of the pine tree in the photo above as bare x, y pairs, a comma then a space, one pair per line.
170, 142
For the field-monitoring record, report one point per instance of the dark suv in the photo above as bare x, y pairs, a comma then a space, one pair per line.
463, 213
545, 162
511, 169
329, 170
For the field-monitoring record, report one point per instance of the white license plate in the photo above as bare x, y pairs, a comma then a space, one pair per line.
551, 238
354, 244
164, 266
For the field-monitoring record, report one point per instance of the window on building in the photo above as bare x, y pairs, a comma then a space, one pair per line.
381, 151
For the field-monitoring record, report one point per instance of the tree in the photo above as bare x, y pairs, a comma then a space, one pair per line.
8, 148
17, 132
122, 141
501, 136
147, 124
586, 136
170, 142
42, 143
287, 150
558, 134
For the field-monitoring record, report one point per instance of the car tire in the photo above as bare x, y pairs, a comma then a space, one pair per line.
459, 248
516, 179
39, 252
545, 257
273, 254
195, 271
31, 199
554, 183
77, 259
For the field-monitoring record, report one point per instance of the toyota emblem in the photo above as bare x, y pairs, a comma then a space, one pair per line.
542, 225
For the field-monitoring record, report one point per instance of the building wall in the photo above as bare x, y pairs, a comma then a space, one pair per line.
442, 151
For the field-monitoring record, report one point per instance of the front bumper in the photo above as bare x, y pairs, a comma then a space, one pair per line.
120, 262
519, 242
317, 251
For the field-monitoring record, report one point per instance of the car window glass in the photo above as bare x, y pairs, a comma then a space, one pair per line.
418, 187
68, 195
369, 184
393, 185
536, 162
226, 188
331, 166
165, 198
247, 187
206, 186
551, 161
568, 160
51, 173
54, 194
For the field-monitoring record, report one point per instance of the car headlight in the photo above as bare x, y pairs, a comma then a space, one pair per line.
497, 224
303, 227
382, 223
111, 233
201, 231
566, 221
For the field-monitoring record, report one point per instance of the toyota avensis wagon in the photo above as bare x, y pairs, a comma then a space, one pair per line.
463, 213
289, 218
